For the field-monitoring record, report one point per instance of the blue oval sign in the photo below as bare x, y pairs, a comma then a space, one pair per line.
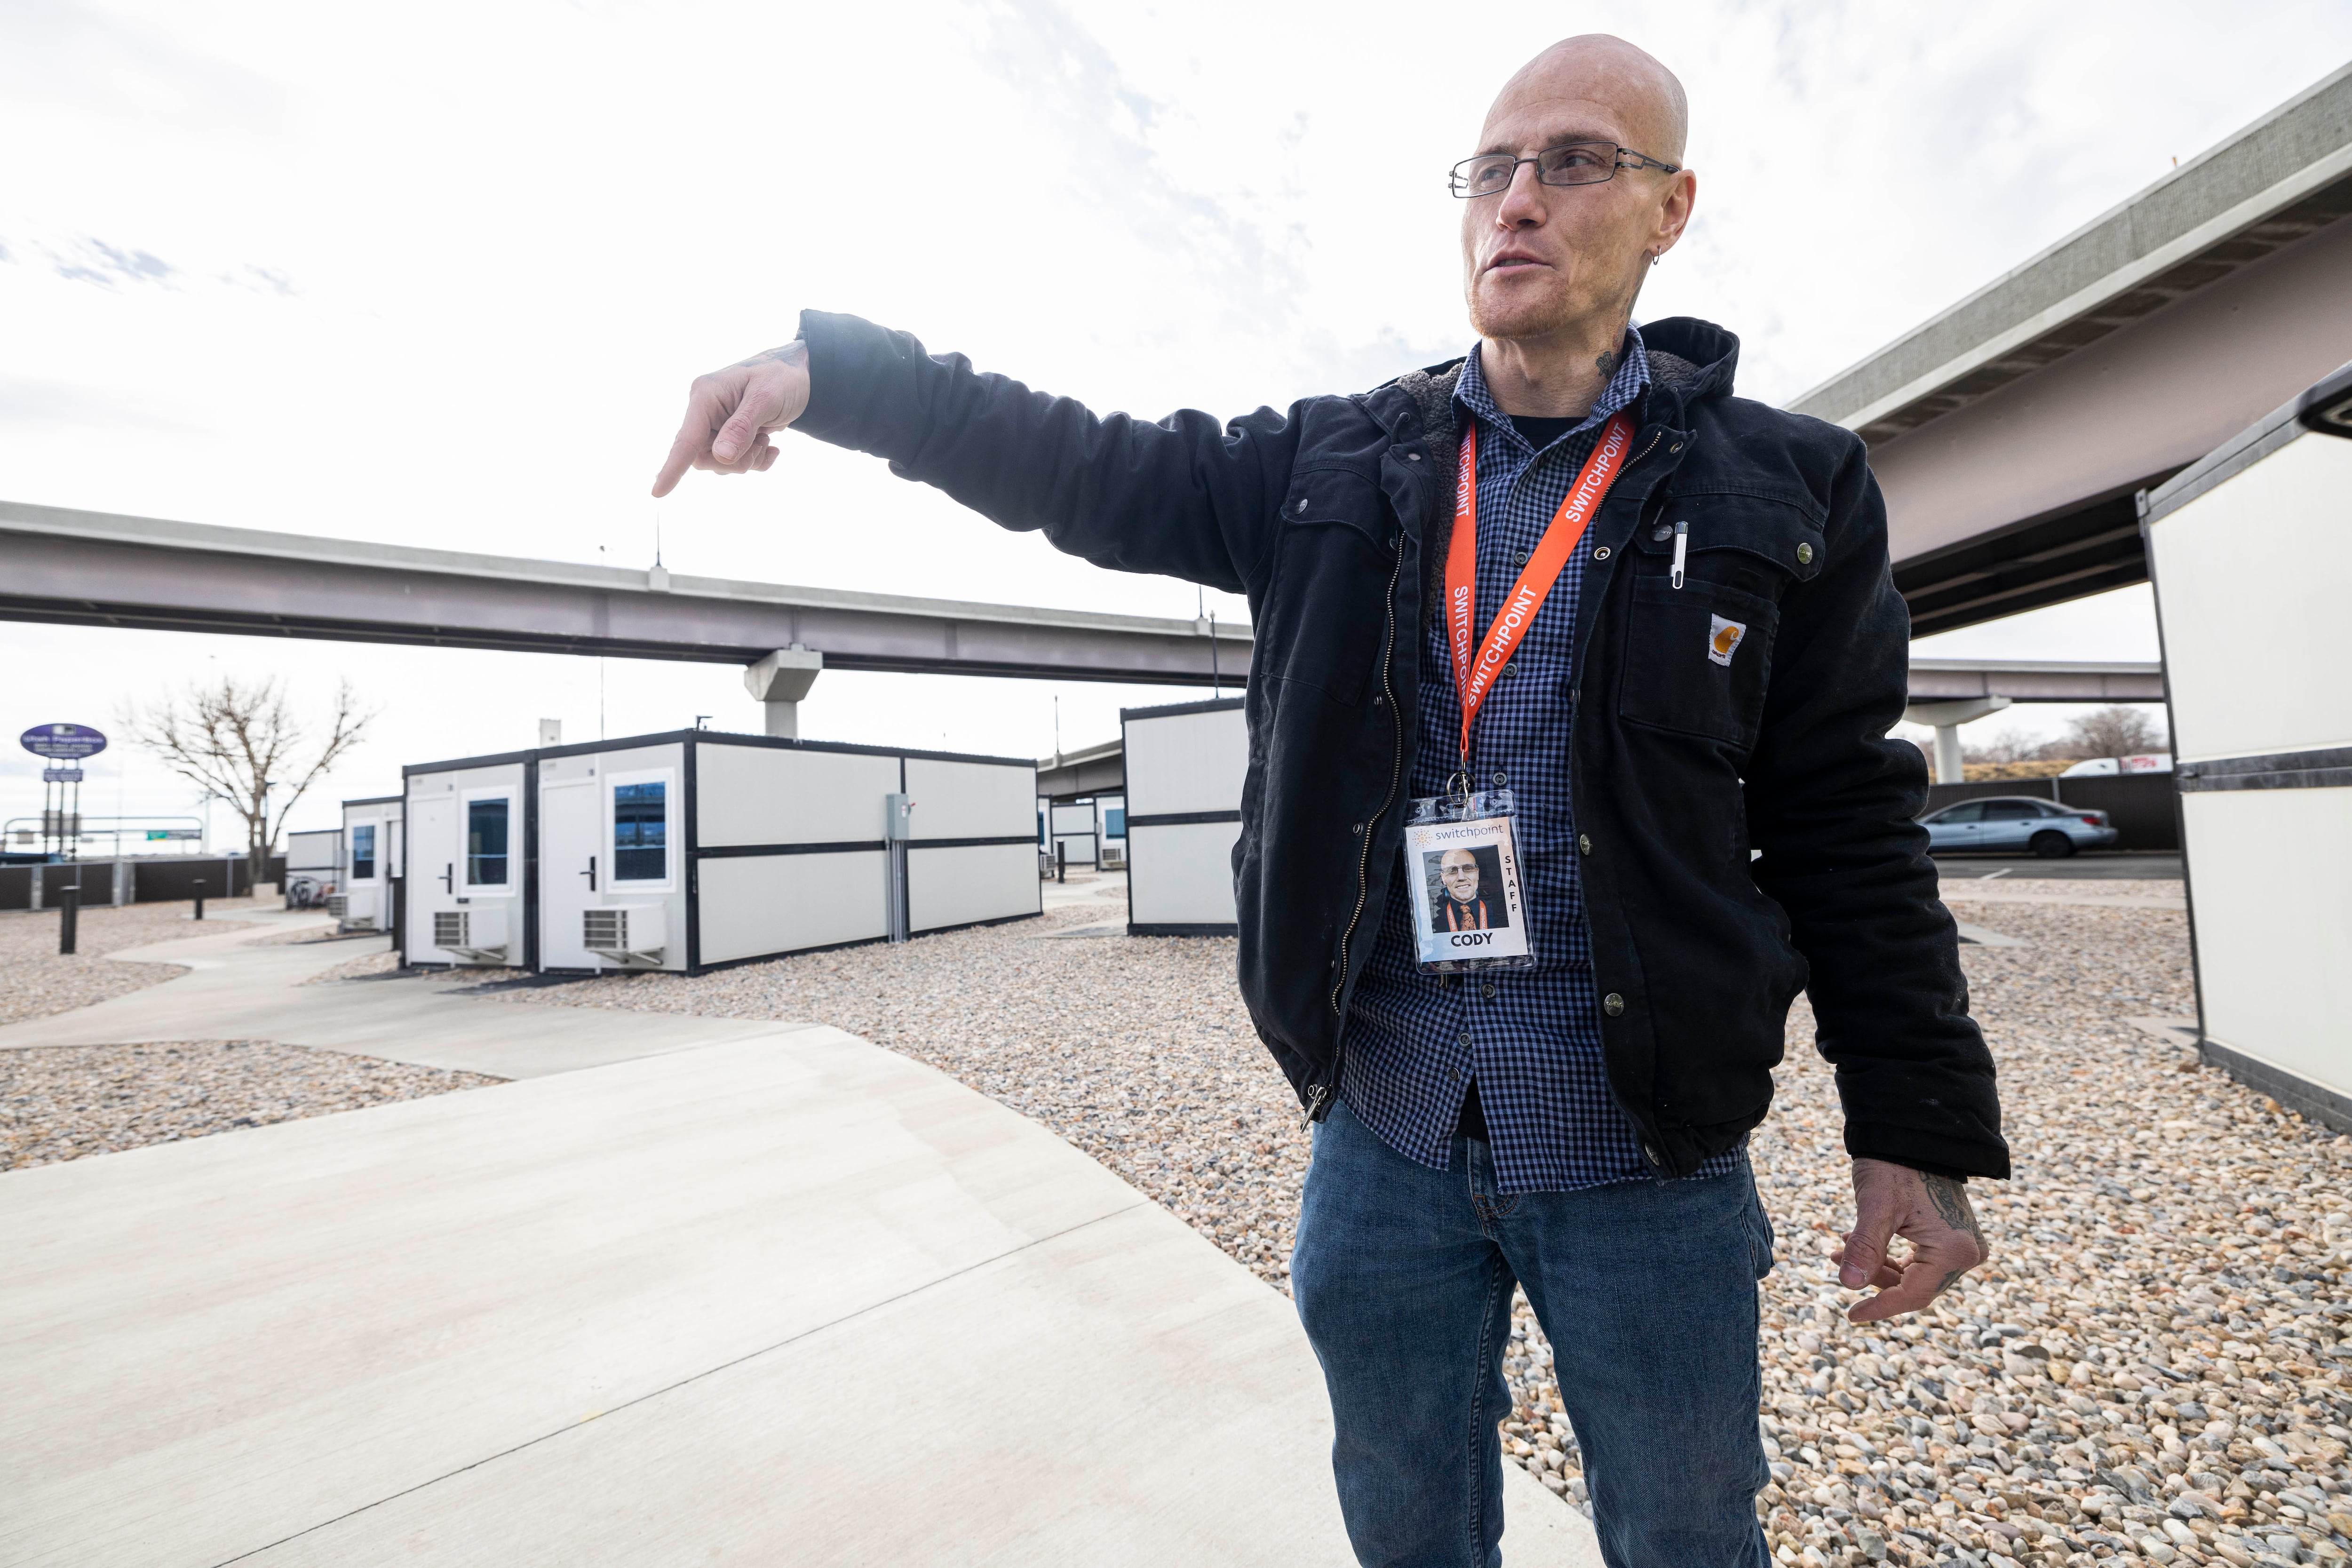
64, 741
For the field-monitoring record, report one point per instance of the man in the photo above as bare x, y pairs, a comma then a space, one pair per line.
1464, 910
1555, 623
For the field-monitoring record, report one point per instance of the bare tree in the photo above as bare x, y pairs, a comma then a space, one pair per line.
240, 740
2011, 745
2115, 730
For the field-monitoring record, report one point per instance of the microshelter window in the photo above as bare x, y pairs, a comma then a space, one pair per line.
486, 842
363, 852
640, 832
1114, 822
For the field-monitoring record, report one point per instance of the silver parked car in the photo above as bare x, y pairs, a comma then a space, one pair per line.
2013, 824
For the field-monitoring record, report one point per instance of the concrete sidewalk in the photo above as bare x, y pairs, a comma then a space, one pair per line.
242, 988
782, 1297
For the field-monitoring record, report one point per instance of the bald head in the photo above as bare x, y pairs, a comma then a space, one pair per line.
1626, 84
1551, 271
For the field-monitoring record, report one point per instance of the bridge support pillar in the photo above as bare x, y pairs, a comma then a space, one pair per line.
778, 681
1946, 719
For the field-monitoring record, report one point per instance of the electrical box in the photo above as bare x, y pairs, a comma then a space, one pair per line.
476, 933
628, 934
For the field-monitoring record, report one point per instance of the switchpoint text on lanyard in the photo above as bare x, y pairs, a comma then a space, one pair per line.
1474, 677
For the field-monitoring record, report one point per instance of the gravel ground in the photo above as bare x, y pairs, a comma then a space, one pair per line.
35, 981
65, 1102
358, 968
2146, 1370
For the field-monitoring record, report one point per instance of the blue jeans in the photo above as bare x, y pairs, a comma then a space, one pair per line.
1647, 1292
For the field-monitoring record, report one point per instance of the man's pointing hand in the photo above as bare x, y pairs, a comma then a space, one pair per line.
1932, 1212
731, 414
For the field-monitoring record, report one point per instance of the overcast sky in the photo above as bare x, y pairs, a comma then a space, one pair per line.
439, 274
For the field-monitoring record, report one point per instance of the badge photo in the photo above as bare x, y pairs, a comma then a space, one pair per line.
1463, 875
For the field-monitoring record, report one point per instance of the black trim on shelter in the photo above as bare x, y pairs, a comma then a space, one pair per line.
1180, 819
690, 809
1228, 929
531, 864
774, 744
2314, 1101
999, 840
497, 759
1173, 710
742, 851
2327, 768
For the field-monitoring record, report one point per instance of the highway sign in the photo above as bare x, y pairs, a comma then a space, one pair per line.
66, 743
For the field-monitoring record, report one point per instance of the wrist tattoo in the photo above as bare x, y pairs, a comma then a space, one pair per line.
1951, 1201
794, 352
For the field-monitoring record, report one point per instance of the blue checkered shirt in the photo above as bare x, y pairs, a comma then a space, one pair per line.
1529, 1037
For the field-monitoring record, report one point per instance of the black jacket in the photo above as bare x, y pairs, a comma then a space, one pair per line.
1333, 519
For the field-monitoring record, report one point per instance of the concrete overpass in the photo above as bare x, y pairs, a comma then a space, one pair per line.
82, 568
2011, 431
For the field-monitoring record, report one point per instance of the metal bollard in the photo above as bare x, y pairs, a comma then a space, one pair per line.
1061, 860
67, 912
198, 882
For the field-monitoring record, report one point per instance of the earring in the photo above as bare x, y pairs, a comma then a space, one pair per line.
1656, 257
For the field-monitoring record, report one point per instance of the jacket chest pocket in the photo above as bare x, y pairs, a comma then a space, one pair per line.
1327, 612
1698, 657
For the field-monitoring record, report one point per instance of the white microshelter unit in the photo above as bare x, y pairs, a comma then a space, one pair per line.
2251, 553
363, 894
316, 853
1184, 812
1110, 832
469, 861
687, 851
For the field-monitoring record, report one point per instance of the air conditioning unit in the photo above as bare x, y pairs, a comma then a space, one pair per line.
339, 905
632, 935
1114, 856
478, 934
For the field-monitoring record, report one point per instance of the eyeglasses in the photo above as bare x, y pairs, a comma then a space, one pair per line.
1571, 164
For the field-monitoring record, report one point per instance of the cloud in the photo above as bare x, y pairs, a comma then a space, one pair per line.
1112, 134
262, 280
95, 261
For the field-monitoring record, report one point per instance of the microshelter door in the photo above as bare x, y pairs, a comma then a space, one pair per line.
433, 868
570, 871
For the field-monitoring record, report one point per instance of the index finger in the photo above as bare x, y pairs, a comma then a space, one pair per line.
694, 438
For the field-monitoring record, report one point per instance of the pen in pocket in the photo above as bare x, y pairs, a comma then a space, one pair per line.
1681, 546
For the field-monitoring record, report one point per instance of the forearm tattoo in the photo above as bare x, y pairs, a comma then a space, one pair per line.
1951, 1200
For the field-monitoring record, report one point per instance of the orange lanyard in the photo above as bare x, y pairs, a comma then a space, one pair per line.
1473, 678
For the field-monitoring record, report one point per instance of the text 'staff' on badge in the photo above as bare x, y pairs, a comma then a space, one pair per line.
1723, 638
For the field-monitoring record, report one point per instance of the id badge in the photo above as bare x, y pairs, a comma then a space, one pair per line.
1462, 864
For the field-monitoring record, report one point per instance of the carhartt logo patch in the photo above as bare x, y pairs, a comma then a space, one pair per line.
1723, 638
